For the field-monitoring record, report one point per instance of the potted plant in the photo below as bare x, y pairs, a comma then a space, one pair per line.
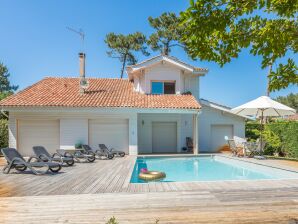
78, 145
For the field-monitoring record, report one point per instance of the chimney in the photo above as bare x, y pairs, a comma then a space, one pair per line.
82, 57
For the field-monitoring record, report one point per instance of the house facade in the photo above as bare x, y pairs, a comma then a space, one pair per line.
153, 111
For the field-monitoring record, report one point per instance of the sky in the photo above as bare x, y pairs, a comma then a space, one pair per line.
34, 43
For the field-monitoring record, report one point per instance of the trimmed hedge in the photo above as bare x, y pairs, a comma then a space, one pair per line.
287, 131
3, 133
281, 137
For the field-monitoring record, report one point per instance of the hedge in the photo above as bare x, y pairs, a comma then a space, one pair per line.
3, 133
281, 137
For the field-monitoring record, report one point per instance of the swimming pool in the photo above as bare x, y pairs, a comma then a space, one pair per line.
207, 168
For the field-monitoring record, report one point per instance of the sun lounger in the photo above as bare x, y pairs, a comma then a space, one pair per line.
104, 148
78, 155
16, 161
99, 153
45, 156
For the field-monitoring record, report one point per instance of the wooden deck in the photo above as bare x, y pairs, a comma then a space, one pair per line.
109, 176
246, 206
76, 196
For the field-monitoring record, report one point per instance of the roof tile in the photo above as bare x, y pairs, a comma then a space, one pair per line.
102, 92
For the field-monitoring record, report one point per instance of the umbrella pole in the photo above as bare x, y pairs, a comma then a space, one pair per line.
262, 126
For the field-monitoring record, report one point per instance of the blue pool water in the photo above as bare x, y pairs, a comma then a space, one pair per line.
206, 168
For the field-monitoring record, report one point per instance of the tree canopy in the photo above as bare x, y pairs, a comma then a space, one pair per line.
124, 47
290, 100
6, 88
167, 32
217, 30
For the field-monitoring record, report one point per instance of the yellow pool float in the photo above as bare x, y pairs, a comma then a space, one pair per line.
152, 175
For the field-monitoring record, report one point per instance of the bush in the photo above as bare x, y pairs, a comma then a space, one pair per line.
287, 131
112, 221
281, 137
3, 133
252, 130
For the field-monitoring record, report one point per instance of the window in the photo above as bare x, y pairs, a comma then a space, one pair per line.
169, 88
163, 88
157, 88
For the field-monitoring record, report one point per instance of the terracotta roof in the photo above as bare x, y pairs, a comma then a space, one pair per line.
64, 92
292, 117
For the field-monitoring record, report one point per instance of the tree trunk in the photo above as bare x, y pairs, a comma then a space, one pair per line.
268, 79
123, 66
166, 49
266, 119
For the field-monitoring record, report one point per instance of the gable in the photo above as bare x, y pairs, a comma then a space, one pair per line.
163, 59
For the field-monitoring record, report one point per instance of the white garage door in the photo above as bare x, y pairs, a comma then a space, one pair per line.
38, 132
111, 132
218, 133
164, 137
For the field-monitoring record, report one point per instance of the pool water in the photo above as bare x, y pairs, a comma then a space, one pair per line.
206, 168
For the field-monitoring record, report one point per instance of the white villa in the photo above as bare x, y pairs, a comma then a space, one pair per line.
153, 111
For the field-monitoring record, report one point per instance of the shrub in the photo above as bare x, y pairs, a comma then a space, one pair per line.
273, 142
288, 134
252, 130
112, 221
281, 137
3, 133
78, 145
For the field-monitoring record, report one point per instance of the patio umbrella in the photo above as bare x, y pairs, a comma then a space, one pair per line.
263, 107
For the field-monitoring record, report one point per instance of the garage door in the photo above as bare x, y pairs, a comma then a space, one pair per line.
38, 132
111, 132
218, 133
164, 137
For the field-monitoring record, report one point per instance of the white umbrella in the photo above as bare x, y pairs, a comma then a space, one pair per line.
263, 107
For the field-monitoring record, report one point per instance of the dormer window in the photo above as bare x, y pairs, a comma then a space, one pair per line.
159, 87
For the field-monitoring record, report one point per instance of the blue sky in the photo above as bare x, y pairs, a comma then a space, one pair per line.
35, 43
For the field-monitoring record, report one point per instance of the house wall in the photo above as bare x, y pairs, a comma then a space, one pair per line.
162, 72
12, 131
184, 129
167, 72
191, 83
210, 116
73, 126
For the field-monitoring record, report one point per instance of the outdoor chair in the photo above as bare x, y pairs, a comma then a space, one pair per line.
16, 161
77, 155
189, 144
112, 151
257, 149
99, 153
249, 148
236, 151
45, 156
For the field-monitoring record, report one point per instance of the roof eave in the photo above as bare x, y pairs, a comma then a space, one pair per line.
102, 109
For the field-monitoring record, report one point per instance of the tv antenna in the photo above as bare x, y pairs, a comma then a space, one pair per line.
80, 32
